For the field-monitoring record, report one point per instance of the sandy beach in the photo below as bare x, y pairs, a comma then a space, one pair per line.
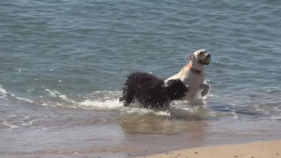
267, 149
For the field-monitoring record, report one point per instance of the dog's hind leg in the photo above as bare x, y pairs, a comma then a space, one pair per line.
121, 98
128, 98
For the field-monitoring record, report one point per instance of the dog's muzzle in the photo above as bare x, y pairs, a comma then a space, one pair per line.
206, 60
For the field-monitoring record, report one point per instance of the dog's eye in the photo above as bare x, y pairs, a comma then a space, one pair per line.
201, 53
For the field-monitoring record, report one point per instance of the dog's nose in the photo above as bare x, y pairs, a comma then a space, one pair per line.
208, 56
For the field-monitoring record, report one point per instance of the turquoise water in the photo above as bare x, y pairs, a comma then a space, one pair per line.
63, 64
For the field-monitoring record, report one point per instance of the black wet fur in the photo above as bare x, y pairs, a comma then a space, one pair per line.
151, 91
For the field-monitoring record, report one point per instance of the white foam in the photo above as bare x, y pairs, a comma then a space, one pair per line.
57, 94
114, 104
234, 114
2, 90
5, 93
10, 125
142, 111
24, 99
107, 104
108, 100
53, 93
184, 110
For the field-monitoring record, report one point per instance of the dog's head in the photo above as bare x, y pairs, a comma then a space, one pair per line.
199, 59
175, 89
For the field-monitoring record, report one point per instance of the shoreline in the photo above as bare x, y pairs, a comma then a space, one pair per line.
260, 149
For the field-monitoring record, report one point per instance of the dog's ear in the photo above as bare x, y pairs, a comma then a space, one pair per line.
191, 57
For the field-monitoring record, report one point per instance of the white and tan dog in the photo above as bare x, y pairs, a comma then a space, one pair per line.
192, 74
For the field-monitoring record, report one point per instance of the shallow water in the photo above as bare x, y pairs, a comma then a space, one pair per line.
63, 64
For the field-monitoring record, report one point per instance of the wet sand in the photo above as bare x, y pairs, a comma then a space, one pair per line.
267, 149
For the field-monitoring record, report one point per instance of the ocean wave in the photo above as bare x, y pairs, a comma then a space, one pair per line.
3, 92
210, 106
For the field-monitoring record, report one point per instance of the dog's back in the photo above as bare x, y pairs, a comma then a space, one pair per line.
150, 91
144, 87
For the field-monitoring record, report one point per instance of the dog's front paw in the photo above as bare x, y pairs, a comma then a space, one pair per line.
206, 88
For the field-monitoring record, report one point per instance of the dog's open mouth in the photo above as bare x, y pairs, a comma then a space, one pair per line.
205, 61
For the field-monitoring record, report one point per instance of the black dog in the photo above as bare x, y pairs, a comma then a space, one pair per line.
151, 91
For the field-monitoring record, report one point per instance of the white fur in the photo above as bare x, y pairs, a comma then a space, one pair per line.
194, 81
